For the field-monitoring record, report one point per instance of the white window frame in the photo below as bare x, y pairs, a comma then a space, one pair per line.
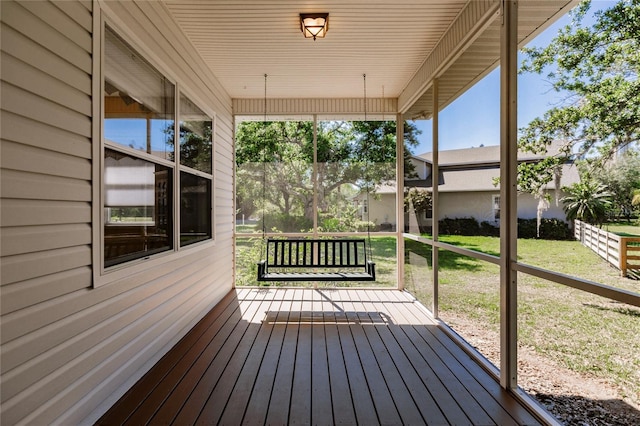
102, 275
495, 207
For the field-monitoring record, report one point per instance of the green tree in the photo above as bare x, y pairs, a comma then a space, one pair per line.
621, 178
275, 160
587, 200
418, 198
597, 68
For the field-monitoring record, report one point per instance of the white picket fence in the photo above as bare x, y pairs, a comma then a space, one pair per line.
621, 252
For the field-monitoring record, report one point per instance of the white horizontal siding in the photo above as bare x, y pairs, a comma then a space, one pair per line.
31, 292
31, 265
68, 349
31, 133
17, 16
36, 186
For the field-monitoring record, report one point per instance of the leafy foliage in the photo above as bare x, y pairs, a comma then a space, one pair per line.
621, 178
420, 199
275, 164
587, 200
597, 67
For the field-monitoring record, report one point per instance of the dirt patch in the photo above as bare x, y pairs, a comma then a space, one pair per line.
574, 399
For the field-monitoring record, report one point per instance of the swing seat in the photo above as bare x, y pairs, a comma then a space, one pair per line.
316, 260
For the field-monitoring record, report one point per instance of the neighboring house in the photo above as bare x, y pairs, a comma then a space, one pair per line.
467, 189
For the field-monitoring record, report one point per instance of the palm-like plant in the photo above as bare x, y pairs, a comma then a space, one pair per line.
587, 201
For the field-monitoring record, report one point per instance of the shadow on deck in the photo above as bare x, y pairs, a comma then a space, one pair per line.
304, 356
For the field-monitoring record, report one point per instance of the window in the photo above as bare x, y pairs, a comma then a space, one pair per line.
142, 165
195, 173
496, 207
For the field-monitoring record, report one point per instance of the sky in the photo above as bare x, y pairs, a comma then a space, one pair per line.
473, 119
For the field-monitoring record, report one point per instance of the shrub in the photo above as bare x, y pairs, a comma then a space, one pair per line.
459, 226
527, 228
488, 229
555, 229
550, 229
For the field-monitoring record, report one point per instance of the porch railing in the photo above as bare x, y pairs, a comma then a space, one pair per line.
621, 252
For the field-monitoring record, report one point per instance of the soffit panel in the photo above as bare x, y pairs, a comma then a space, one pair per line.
388, 40
241, 40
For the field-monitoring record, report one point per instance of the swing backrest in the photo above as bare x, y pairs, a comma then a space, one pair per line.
314, 253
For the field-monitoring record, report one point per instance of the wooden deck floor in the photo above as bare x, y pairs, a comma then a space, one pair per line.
304, 356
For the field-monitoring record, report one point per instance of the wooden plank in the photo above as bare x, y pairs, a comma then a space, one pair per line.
415, 351
157, 385
395, 344
501, 406
340, 390
457, 404
300, 408
241, 392
264, 387
194, 389
380, 393
321, 401
280, 402
391, 360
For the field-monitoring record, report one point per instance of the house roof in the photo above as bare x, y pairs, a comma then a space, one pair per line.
483, 179
401, 46
475, 169
482, 155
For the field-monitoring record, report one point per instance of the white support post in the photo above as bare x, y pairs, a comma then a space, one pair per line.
508, 193
400, 198
315, 176
435, 172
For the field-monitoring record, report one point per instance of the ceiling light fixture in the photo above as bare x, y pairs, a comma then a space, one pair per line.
314, 25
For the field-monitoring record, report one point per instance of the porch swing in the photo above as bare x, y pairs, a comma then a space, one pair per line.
305, 259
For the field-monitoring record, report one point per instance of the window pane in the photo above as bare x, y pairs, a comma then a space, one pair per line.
195, 209
138, 101
195, 136
137, 203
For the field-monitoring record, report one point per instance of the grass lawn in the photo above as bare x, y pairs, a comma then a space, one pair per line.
585, 333
623, 228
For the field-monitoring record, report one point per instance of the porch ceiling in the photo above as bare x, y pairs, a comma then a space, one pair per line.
390, 41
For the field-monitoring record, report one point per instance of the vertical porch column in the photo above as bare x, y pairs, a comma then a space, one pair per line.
400, 198
315, 176
434, 196
508, 193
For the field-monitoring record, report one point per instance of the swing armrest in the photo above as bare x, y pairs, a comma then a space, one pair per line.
371, 269
262, 268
